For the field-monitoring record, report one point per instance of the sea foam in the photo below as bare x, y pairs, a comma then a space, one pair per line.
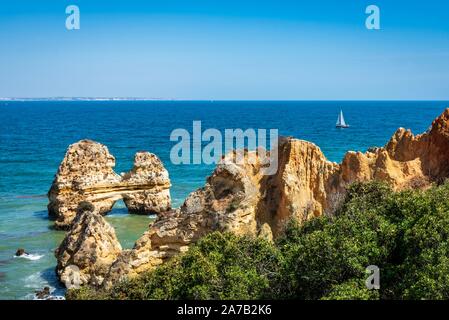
31, 256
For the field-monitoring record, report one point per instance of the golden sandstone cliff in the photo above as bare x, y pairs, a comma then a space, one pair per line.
87, 174
239, 198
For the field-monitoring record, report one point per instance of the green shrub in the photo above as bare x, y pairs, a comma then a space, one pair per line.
218, 266
326, 252
351, 290
406, 234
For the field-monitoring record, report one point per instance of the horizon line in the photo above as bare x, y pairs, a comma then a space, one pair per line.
11, 99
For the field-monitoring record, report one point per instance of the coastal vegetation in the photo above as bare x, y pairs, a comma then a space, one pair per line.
405, 234
239, 197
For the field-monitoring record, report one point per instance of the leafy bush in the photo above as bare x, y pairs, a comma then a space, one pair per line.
218, 266
326, 252
351, 290
406, 234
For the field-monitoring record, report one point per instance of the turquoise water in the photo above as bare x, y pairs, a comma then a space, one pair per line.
34, 137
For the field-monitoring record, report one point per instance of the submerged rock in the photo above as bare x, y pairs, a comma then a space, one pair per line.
20, 252
46, 294
43, 294
87, 174
88, 250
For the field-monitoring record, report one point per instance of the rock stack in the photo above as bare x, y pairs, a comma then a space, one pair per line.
87, 174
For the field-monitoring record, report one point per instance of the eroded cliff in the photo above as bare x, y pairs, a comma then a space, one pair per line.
240, 199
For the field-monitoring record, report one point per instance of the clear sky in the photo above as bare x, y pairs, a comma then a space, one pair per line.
228, 49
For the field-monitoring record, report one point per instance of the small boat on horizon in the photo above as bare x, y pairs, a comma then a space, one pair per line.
341, 121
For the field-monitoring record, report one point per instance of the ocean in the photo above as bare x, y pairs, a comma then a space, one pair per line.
34, 136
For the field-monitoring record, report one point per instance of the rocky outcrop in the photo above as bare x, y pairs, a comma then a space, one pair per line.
147, 184
87, 174
407, 161
88, 250
239, 198
227, 203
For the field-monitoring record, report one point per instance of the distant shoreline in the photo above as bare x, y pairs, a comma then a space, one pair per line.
86, 99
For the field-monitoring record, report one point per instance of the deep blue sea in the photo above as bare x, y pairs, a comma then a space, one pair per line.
35, 135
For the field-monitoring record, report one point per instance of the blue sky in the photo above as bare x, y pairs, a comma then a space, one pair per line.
229, 49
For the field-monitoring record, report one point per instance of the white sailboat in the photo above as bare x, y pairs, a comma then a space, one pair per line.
341, 121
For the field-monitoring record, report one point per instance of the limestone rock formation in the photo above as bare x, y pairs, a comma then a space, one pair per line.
226, 203
239, 198
88, 250
151, 178
87, 174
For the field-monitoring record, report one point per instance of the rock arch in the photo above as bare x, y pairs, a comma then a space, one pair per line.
87, 174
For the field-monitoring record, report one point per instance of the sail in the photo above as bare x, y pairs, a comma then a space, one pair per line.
341, 120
